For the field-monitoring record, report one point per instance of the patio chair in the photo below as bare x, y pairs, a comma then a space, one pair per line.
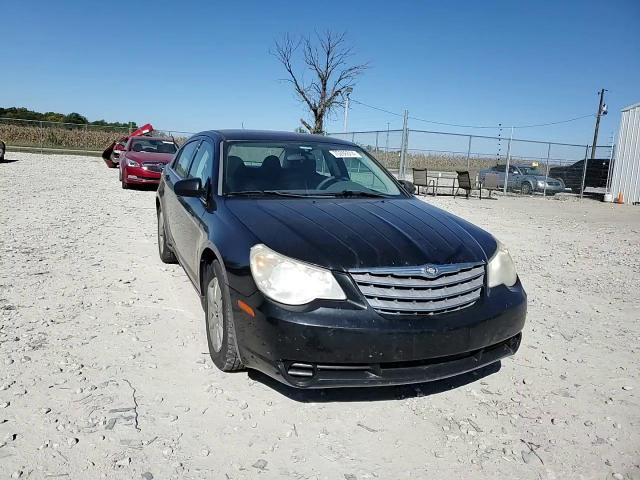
420, 179
490, 183
464, 183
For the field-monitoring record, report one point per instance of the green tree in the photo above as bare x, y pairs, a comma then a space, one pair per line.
74, 117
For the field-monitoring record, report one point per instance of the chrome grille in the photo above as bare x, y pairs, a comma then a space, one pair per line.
154, 167
425, 290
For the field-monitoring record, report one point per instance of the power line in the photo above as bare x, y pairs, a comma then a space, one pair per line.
472, 126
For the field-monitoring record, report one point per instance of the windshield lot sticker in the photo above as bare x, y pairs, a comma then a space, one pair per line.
344, 153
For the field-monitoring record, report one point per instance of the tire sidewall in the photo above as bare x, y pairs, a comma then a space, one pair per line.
165, 252
214, 270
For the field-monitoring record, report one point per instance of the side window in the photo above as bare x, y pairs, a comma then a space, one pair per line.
181, 163
202, 164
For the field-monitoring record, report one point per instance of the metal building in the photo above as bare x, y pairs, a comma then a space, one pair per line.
625, 176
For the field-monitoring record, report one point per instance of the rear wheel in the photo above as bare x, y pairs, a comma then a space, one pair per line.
166, 254
526, 188
219, 320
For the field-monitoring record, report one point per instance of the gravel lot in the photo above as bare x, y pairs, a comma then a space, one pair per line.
104, 371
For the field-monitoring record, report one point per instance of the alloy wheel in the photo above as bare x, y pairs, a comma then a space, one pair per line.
215, 320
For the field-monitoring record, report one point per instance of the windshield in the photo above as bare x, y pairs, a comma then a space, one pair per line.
530, 171
151, 145
304, 169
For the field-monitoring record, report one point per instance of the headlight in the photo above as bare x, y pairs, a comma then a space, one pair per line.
540, 184
132, 163
501, 269
290, 281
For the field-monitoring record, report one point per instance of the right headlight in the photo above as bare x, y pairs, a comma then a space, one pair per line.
501, 269
132, 163
291, 281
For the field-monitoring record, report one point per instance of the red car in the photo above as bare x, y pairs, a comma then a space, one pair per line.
111, 154
144, 158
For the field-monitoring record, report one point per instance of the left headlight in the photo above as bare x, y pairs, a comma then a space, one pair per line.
290, 281
132, 163
501, 269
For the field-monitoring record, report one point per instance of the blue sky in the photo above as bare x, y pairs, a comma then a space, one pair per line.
198, 65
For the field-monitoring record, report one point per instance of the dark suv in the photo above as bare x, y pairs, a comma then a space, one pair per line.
572, 175
317, 267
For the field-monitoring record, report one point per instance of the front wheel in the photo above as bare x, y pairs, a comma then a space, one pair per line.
526, 189
166, 254
219, 320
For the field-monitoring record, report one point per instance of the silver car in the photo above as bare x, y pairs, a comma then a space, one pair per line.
525, 178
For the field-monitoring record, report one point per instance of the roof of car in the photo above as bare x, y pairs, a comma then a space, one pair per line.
271, 135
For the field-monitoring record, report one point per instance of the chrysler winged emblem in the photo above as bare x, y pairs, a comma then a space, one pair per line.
430, 271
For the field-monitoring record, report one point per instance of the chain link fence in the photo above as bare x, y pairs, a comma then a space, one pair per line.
519, 165
35, 135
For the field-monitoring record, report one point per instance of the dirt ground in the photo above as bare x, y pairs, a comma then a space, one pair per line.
104, 371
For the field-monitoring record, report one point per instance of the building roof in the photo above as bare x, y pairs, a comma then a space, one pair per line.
631, 107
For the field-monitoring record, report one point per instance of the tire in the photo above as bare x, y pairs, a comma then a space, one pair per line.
218, 316
125, 185
164, 250
526, 188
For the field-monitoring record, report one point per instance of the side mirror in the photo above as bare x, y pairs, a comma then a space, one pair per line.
189, 187
408, 186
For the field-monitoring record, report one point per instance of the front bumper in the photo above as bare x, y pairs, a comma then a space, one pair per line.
550, 188
141, 175
348, 345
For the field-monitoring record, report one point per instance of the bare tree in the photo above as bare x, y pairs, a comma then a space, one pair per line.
327, 58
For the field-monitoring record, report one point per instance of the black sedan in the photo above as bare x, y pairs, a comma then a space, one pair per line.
317, 267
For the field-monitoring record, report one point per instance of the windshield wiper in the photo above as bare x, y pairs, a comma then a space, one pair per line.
356, 193
264, 193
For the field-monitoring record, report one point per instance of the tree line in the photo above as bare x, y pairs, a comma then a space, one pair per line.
22, 113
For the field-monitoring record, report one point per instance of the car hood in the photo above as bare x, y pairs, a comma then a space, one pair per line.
144, 157
344, 234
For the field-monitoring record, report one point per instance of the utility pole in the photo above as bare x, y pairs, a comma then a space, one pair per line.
602, 110
347, 92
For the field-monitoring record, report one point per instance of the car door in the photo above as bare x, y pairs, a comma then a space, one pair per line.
174, 219
515, 177
195, 209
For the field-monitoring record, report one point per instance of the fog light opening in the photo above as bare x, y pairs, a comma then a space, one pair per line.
301, 370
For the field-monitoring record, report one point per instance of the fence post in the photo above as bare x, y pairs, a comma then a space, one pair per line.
611, 155
469, 153
584, 170
403, 146
386, 155
41, 138
506, 169
377, 132
546, 173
